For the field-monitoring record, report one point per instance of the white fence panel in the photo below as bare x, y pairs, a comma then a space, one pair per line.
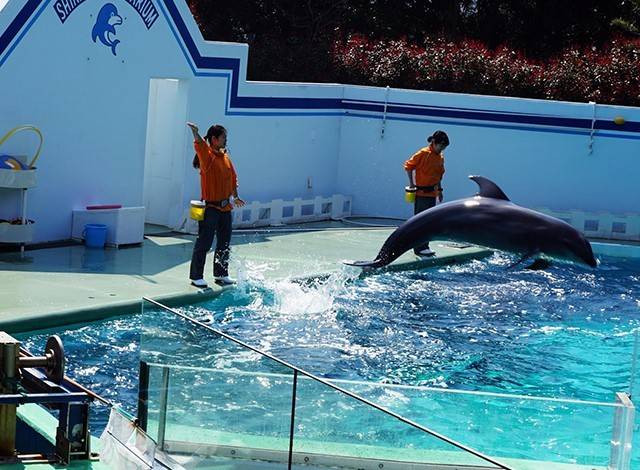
280, 212
603, 225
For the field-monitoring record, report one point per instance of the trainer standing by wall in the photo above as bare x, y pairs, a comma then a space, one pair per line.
428, 166
218, 184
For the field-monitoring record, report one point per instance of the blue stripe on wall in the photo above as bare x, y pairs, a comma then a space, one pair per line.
410, 112
16, 25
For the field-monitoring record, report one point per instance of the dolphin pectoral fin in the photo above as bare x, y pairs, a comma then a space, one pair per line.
523, 258
488, 188
538, 264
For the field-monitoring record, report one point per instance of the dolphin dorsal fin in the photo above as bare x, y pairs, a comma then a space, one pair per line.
488, 188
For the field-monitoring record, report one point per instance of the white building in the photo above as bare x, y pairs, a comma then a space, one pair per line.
111, 84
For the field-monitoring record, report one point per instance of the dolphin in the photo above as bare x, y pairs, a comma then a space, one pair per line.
107, 19
487, 219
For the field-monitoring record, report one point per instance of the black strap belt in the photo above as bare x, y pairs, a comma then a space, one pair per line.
434, 187
220, 203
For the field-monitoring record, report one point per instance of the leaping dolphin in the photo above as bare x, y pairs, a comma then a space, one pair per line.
487, 219
107, 19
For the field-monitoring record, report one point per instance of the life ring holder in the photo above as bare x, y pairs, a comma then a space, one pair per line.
15, 130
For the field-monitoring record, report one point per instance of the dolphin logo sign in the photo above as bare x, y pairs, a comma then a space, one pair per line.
104, 28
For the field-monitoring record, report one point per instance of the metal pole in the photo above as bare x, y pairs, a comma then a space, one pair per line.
593, 126
162, 420
24, 218
293, 417
634, 363
143, 395
384, 114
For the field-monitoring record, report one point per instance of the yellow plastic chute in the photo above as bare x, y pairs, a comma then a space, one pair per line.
15, 130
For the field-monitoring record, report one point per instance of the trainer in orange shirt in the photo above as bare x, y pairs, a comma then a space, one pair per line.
428, 165
219, 189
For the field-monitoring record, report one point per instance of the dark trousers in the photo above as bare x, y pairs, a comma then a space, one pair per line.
216, 223
422, 204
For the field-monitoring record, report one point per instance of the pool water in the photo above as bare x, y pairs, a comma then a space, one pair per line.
564, 332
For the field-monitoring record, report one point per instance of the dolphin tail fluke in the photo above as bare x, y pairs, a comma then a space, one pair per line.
365, 264
113, 46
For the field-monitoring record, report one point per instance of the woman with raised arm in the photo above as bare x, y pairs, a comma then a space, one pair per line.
219, 191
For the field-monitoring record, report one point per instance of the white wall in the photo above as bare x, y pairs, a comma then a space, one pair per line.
92, 108
536, 166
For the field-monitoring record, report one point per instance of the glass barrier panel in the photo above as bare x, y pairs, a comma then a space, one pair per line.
522, 431
634, 392
211, 400
220, 416
212, 397
334, 429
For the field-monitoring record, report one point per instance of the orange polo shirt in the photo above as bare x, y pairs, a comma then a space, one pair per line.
429, 167
218, 179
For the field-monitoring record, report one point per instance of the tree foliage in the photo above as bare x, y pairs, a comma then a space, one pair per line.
629, 21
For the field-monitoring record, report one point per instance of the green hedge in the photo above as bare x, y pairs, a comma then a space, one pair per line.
606, 75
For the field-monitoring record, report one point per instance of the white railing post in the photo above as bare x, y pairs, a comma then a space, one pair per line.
255, 212
276, 211
337, 203
297, 208
317, 207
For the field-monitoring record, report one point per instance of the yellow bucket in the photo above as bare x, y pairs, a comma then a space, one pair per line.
410, 194
196, 212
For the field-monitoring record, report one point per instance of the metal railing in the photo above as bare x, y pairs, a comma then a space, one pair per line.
296, 373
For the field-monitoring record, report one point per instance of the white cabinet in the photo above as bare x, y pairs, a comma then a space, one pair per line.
125, 225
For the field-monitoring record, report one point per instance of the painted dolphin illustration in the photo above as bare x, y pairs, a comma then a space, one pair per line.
104, 28
487, 219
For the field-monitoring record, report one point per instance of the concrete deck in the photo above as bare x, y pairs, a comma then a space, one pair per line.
54, 286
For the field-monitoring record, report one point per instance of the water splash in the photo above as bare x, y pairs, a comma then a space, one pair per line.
296, 298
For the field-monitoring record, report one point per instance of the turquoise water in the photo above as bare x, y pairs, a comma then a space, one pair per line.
565, 332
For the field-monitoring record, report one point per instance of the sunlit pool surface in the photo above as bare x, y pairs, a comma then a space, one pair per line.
563, 332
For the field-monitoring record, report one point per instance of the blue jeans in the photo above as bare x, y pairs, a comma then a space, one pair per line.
215, 223
422, 204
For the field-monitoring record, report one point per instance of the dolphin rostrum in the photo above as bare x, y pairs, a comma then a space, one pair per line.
487, 219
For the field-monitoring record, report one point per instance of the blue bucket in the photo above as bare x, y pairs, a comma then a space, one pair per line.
95, 235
